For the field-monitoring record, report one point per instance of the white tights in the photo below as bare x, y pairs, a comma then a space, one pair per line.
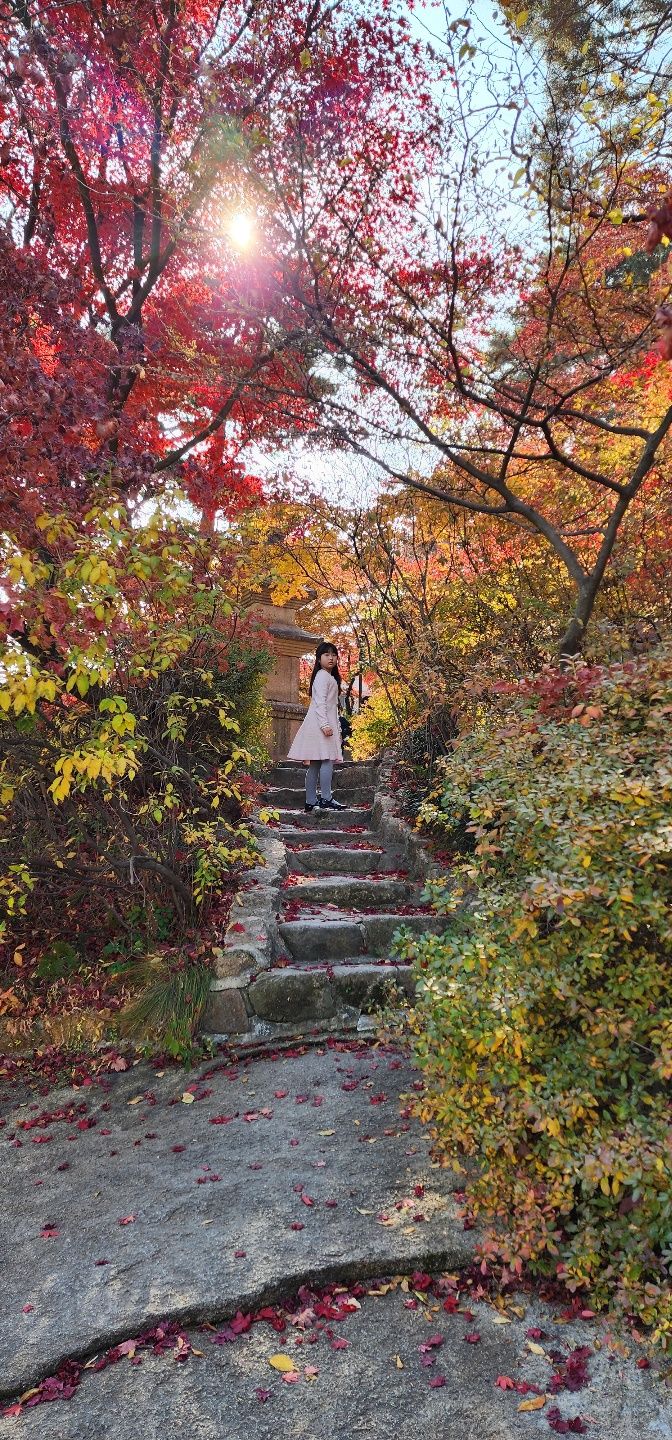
322, 769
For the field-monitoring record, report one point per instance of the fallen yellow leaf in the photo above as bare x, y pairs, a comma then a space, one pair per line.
536, 1402
534, 1348
187, 1098
137, 1100
398, 1362
501, 1320
282, 1362
326, 1132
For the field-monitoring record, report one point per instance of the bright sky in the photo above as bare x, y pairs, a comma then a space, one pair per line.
348, 478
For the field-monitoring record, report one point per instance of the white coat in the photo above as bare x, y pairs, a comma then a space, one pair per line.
309, 743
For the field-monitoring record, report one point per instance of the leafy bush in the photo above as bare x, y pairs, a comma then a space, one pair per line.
59, 961
374, 727
544, 1015
131, 713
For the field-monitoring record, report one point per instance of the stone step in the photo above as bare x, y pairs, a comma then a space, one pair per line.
349, 839
327, 819
296, 993
322, 938
291, 773
281, 797
351, 891
335, 860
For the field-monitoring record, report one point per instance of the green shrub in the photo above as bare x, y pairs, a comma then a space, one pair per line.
59, 961
544, 1015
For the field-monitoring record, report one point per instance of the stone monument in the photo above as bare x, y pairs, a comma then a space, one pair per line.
290, 642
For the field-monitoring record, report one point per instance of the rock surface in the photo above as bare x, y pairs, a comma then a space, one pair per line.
377, 1384
134, 1206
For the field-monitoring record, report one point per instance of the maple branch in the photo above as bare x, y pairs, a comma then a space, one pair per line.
166, 43
46, 54
263, 358
578, 469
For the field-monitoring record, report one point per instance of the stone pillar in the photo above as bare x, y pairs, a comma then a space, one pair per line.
290, 642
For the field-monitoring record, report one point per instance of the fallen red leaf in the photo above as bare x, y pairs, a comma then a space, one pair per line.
433, 1343
562, 1426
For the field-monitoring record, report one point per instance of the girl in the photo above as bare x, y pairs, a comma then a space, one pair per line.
319, 739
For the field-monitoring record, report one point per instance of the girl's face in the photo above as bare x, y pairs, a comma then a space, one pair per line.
329, 659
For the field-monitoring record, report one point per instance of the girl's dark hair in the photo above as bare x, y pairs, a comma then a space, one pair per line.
321, 650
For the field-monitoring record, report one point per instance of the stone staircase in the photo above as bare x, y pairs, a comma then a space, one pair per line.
343, 897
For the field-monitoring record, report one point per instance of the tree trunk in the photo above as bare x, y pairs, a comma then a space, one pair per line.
573, 639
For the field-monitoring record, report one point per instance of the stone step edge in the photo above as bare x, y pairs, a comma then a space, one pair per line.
308, 884
433, 1257
290, 832
328, 822
361, 917
304, 994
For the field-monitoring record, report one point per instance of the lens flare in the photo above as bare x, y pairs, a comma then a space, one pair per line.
240, 229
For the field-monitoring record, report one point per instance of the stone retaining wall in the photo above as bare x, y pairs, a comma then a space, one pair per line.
251, 941
395, 830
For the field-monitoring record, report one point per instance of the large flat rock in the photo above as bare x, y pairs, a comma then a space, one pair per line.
377, 1385
194, 1219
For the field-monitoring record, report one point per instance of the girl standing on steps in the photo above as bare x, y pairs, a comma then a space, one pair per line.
318, 742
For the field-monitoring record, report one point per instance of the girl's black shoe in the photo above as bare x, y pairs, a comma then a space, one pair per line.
308, 808
332, 805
